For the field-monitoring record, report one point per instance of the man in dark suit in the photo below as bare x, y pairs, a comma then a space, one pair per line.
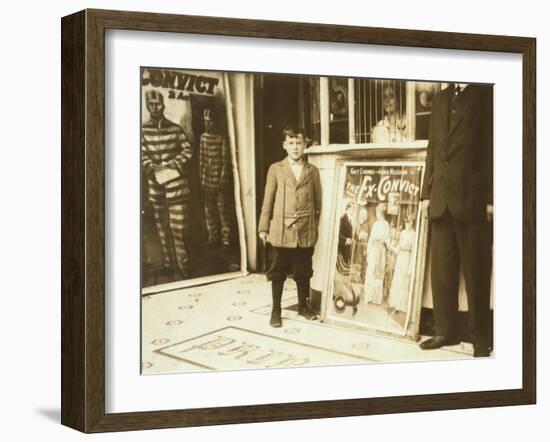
457, 195
345, 235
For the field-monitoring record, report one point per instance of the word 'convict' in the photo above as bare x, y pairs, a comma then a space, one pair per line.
180, 81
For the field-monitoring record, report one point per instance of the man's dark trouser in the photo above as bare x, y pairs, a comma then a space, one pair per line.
457, 244
290, 260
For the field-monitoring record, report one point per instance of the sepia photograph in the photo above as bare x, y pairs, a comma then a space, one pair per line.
303, 220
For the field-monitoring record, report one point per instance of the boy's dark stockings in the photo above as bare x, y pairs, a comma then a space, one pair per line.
304, 309
277, 294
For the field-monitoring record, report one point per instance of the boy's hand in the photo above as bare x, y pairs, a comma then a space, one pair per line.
264, 237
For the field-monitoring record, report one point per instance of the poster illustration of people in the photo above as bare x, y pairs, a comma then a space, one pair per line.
190, 226
375, 244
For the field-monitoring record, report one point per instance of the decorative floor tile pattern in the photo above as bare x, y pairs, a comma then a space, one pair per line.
236, 312
246, 349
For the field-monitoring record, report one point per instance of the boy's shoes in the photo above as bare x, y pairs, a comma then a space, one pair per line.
307, 312
275, 320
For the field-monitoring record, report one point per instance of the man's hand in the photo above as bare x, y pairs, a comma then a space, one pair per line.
264, 237
424, 205
348, 241
490, 213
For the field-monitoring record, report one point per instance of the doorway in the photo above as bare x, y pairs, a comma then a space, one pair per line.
276, 103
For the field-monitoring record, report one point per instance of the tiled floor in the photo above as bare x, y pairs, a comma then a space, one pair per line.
224, 326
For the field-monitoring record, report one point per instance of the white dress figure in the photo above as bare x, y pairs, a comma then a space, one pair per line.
376, 257
399, 292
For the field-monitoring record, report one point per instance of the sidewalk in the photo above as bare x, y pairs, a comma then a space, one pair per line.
225, 326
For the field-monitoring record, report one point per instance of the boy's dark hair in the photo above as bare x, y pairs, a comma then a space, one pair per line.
292, 131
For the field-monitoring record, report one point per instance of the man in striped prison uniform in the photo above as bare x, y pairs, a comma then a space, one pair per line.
165, 146
215, 176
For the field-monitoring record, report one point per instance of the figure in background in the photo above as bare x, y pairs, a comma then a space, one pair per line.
345, 234
376, 257
215, 169
399, 291
391, 257
165, 152
393, 127
360, 239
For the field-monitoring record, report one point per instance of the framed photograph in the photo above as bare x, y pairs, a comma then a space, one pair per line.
251, 208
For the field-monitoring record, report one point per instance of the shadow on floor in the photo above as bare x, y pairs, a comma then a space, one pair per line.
51, 414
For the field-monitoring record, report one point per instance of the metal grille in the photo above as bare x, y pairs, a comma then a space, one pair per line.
380, 111
310, 113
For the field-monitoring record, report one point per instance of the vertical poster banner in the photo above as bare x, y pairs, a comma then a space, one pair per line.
190, 232
375, 245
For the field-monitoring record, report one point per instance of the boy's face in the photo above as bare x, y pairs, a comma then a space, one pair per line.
294, 146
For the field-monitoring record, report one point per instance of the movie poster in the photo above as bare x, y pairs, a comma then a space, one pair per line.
190, 228
375, 245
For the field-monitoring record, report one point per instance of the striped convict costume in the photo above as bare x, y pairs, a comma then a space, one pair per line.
215, 175
164, 144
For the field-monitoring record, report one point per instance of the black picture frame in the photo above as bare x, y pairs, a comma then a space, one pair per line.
83, 220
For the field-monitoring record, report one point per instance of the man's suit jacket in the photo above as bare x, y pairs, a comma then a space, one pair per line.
346, 231
459, 163
291, 207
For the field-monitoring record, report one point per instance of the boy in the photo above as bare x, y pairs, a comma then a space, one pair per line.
289, 221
